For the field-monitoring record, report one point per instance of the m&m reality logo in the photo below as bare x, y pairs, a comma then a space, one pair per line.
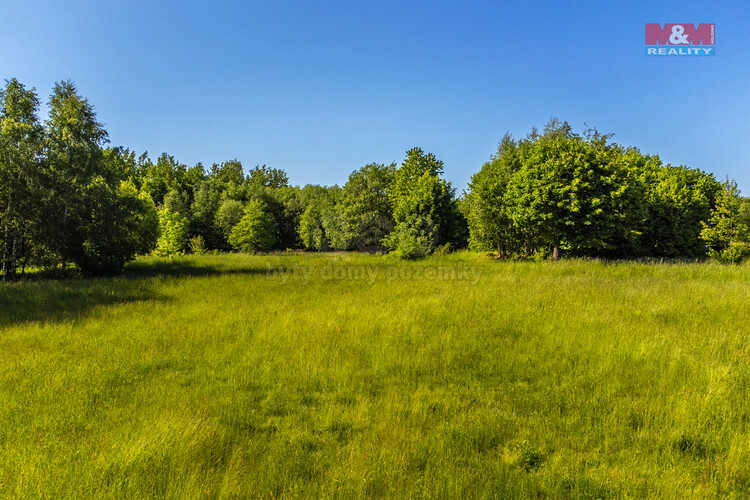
684, 39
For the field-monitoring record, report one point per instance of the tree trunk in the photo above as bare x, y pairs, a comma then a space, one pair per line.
5, 255
556, 252
5, 240
14, 265
22, 251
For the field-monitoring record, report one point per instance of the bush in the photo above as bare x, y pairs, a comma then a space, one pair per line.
445, 249
197, 245
733, 254
123, 223
414, 238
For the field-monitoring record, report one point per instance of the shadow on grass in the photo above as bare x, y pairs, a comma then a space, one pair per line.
66, 300
185, 268
45, 300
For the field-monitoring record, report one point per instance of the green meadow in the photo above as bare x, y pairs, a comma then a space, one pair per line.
351, 376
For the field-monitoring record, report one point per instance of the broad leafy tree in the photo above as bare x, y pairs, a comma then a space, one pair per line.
90, 212
165, 175
727, 234
173, 232
124, 223
418, 190
558, 192
413, 238
255, 232
229, 214
364, 210
679, 200
203, 213
75, 173
264, 176
559, 198
490, 225
319, 203
20, 146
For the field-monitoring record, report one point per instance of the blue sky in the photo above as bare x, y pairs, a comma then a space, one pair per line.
320, 88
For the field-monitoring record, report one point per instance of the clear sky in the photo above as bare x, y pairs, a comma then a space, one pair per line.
320, 88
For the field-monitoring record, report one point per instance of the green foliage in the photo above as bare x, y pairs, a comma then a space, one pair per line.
743, 220
173, 233
193, 177
628, 204
60, 190
562, 194
680, 200
229, 214
197, 245
73, 176
263, 176
20, 147
418, 193
490, 225
414, 238
727, 232
92, 214
283, 205
367, 215
311, 228
176, 201
215, 202
338, 232
165, 175
587, 197
735, 253
146, 217
124, 223
121, 164
444, 249
319, 217
255, 232
229, 172
203, 214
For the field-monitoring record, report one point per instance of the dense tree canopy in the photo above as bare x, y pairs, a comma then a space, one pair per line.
255, 231
21, 137
490, 225
562, 192
66, 199
314, 226
77, 206
364, 206
727, 232
420, 198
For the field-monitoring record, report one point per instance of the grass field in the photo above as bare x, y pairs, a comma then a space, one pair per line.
342, 375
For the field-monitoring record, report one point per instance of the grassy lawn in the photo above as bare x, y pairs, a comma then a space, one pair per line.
343, 375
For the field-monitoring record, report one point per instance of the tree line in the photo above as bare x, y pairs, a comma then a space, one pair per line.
585, 195
69, 199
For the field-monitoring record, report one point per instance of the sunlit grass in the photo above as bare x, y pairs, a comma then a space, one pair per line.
343, 375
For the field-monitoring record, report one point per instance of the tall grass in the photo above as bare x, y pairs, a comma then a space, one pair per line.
343, 375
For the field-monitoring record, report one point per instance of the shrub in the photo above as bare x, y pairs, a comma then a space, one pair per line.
123, 224
414, 238
197, 245
733, 254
